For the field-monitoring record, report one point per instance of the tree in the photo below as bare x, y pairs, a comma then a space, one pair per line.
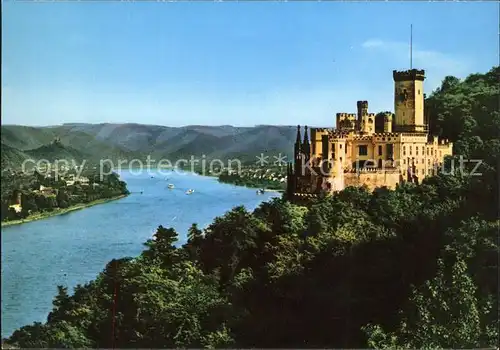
195, 240
444, 313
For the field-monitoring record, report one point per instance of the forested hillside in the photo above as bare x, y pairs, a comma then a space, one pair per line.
129, 141
416, 267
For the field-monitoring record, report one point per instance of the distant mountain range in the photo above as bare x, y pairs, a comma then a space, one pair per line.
128, 141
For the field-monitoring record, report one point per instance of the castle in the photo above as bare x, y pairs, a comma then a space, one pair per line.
367, 149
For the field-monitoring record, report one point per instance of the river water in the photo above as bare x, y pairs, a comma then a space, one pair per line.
73, 248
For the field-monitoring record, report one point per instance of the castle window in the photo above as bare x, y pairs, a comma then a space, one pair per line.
410, 150
404, 150
423, 172
340, 146
389, 148
404, 161
419, 91
324, 141
379, 150
427, 151
363, 150
428, 162
416, 151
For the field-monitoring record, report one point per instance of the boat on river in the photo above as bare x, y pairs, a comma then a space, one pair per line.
170, 186
189, 191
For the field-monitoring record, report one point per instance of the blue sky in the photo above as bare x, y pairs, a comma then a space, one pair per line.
239, 63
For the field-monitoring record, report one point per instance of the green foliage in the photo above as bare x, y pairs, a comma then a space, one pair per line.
444, 313
255, 181
415, 267
63, 196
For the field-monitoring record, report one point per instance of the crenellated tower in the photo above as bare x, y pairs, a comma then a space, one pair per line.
366, 121
409, 100
362, 111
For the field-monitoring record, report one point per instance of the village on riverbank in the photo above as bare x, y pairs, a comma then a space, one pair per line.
49, 191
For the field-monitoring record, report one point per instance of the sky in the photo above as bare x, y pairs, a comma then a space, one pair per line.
236, 63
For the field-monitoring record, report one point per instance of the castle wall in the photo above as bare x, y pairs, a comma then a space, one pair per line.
317, 141
372, 180
409, 150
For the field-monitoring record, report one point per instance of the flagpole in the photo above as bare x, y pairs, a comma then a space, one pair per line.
411, 46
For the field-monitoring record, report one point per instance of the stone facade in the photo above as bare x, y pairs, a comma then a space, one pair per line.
361, 151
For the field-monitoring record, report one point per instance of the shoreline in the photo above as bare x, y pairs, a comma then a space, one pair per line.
215, 177
59, 211
252, 187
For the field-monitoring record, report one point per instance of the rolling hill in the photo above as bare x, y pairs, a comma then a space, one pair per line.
11, 156
127, 141
55, 151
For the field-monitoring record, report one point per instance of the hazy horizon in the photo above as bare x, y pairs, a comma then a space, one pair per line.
148, 124
239, 64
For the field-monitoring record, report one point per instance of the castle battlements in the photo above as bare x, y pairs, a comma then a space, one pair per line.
346, 115
362, 104
408, 75
386, 134
335, 138
366, 170
373, 150
321, 129
359, 137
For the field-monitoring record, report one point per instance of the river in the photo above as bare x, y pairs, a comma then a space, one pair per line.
73, 248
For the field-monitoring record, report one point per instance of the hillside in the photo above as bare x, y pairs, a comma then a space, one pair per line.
410, 268
55, 151
11, 156
127, 141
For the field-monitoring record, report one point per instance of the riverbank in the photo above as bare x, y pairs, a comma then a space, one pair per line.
254, 187
247, 183
60, 211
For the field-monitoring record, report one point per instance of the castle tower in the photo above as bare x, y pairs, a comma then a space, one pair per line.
409, 100
362, 111
366, 121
